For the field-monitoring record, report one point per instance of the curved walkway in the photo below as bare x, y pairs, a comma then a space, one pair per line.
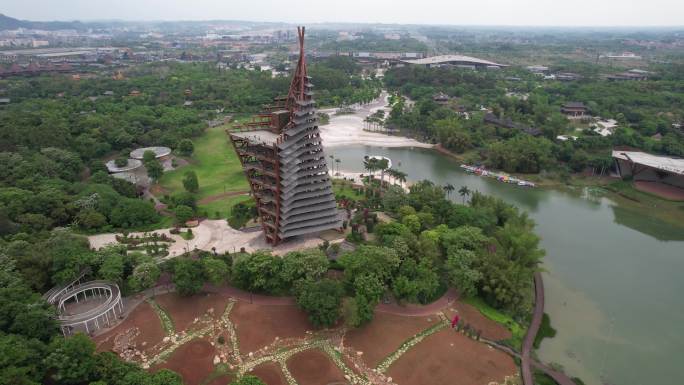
526, 361
528, 342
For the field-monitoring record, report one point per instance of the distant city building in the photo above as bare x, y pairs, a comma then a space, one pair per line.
492, 119
574, 109
567, 76
455, 61
635, 74
537, 69
624, 55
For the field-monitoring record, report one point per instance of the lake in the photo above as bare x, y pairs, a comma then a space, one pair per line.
614, 278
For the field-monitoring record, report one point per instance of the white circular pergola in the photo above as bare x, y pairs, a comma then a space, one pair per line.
92, 319
131, 165
159, 152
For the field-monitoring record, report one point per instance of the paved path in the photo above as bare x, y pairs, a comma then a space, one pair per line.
559, 377
528, 342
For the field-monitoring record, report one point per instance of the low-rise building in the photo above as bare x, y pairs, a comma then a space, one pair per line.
575, 109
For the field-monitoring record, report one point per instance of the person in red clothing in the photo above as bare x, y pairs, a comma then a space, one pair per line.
454, 322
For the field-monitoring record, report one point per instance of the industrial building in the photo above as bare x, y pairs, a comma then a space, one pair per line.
455, 61
282, 156
656, 174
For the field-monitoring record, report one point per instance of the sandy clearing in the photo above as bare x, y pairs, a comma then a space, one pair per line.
344, 130
217, 234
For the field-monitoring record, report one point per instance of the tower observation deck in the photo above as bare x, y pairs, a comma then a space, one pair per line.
282, 156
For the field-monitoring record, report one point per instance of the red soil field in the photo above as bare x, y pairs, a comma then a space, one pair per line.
145, 319
449, 358
223, 380
270, 373
258, 326
184, 310
194, 361
385, 334
313, 367
469, 314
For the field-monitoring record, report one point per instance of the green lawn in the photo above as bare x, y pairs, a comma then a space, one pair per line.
220, 209
218, 170
215, 163
517, 330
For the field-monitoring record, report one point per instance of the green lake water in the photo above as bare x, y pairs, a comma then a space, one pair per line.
614, 279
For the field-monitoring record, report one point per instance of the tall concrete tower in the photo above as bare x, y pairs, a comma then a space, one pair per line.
282, 157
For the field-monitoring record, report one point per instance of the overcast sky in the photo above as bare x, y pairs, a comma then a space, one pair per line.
457, 12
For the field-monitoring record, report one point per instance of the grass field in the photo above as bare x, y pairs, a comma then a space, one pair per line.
218, 171
517, 330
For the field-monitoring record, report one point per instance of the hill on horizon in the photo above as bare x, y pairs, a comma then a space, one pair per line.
7, 22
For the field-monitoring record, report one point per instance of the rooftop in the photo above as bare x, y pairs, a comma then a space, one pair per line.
574, 105
665, 163
258, 136
443, 59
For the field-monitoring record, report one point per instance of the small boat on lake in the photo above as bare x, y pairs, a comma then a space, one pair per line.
499, 176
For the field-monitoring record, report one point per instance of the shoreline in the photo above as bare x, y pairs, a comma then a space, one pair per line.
347, 129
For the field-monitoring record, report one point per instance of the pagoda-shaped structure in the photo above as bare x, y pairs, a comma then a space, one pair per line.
282, 156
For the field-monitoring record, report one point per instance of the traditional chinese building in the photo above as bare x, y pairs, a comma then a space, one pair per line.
282, 156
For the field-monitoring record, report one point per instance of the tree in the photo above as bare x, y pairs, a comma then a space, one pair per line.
321, 301
21, 360
448, 189
186, 147
248, 380
259, 272
240, 214
71, 360
190, 182
133, 213
21, 310
464, 192
121, 161
417, 282
379, 261
188, 276
144, 276
183, 214
412, 222
149, 156
154, 169
462, 272
112, 268
305, 264
91, 219
215, 270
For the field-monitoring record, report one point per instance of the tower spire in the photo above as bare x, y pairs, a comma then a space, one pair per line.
297, 87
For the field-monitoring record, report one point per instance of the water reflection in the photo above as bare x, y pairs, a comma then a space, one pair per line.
613, 285
651, 226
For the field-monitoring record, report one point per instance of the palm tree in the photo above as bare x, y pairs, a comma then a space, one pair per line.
393, 174
448, 189
464, 192
370, 165
338, 161
401, 177
382, 166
